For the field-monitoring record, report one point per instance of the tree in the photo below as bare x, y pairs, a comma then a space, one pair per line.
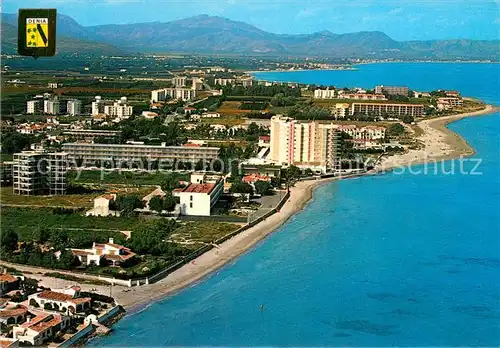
396, 129
241, 187
128, 203
156, 204
169, 202
15, 142
170, 182
9, 240
407, 119
262, 187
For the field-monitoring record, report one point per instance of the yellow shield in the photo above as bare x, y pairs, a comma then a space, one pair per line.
37, 33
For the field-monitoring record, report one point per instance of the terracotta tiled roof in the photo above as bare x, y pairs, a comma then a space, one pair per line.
80, 252
12, 311
80, 300
255, 177
5, 277
44, 325
199, 188
55, 296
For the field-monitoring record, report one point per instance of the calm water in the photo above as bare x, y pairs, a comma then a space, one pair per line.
377, 261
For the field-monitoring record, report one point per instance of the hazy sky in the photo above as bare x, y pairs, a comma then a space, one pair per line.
402, 20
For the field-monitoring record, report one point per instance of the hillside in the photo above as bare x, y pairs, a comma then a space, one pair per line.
65, 44
218, 35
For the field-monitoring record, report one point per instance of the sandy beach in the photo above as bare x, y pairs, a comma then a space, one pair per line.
440, 144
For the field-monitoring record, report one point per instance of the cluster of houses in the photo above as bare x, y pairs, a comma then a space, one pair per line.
46, 317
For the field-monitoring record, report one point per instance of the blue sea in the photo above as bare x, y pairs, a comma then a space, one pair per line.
386, 260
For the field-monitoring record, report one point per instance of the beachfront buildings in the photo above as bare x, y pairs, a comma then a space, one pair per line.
362, 133
392, 90
74, 107
304, 144
382, 109
90, 154
66, 300
448, 103
181, 93
40, 329
110, 253
201, 194
35, 173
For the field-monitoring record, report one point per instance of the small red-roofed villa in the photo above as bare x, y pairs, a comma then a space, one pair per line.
67, 300
41, 328
116, 255
200, 195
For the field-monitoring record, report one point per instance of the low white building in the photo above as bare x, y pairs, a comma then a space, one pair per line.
201, 194
102, 206
115, 254
224, 82
210, 115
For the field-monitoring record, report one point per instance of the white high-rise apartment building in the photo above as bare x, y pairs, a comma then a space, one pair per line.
97, 106
119, 109
303, 144
33, 106
51, 107
74, 107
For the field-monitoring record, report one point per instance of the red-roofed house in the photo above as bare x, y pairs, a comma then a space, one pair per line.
8, 283
253, 178
115, 254
40, 329
8, 342
67, 301
200, 195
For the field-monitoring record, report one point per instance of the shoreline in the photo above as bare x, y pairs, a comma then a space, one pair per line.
444, 144
300, 195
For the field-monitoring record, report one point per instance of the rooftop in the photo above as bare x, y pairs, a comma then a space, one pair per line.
199, 188
5, 277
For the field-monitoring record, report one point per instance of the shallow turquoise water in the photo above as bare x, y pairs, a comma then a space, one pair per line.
406, 260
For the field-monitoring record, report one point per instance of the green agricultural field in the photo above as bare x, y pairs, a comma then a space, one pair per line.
7, 197
124, 178
195, 234
27, 222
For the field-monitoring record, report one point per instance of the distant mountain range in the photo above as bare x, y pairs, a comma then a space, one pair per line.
216, 35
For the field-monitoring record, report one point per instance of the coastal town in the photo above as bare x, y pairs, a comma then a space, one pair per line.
117, 188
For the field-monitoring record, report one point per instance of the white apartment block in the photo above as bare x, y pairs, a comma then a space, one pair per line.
33, 106
183, 94
51, 107
179, 81
392, 90
362, 96
200, 195
341, 110
74, 107
90, 153
119, 109
97, 106
304, 144
325, 93
448, 103
380, 109
362, 133
224, 82
35, 173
